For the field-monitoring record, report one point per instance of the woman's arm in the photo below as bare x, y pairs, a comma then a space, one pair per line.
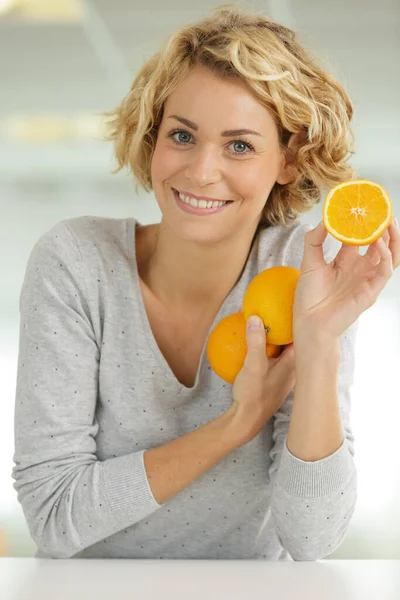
173, 466
315, 429
70, 499
315, 478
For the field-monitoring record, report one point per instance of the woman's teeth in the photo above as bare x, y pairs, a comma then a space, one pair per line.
200, 203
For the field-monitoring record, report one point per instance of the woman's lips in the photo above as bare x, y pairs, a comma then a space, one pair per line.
195, 210
206, 198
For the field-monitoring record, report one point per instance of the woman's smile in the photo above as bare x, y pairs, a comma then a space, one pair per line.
199, 207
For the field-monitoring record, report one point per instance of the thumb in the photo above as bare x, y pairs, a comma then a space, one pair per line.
256, 358
314, 239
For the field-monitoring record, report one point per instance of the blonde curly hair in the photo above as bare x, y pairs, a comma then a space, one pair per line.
302, 97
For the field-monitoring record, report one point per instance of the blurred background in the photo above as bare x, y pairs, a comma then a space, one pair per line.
64, 62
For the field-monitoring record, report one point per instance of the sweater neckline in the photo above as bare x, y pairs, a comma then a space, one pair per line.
172, 379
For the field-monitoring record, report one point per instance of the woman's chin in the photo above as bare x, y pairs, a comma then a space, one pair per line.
204, 234
196, 230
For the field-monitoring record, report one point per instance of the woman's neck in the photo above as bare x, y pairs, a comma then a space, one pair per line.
185, 275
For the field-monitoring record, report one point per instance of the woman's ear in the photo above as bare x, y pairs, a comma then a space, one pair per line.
289, 154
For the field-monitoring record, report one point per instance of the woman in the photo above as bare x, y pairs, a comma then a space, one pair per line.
126, 442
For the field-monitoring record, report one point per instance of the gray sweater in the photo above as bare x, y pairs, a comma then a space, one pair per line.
94, 393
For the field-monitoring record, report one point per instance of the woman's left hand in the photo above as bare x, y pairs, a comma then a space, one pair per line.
330, 297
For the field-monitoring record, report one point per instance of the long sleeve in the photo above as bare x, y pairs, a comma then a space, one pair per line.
312, 502
70, 499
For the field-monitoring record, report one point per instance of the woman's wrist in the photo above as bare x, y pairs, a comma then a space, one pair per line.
243, 427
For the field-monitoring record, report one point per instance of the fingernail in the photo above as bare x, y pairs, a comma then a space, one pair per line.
254, 322
396, 223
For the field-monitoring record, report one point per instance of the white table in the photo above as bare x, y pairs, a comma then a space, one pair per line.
92, 579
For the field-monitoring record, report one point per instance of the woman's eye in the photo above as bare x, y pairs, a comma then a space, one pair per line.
242, 148
184, 137
181, 137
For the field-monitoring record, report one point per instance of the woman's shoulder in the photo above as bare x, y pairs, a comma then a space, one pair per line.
88, 251
100, 231
284, 244
90, 236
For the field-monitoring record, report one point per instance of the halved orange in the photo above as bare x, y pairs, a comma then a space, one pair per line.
357, 212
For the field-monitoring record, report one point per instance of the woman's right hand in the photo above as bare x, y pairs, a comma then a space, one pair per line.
262, 385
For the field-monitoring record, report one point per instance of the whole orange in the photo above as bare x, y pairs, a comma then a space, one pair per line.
227, 347
270, 295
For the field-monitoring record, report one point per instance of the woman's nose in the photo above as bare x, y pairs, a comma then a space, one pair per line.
203, 167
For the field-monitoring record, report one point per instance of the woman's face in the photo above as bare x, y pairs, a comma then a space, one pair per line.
198, 153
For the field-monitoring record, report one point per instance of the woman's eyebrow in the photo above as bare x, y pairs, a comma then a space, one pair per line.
228, 133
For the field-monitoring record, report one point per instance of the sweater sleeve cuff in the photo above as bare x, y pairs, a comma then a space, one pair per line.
127, 487
318, 478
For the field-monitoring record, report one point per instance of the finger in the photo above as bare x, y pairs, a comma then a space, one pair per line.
384, 269
313, 257
373, 255
287, 351
394, 244
286, 367
256, 360
346, 256
288, 354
